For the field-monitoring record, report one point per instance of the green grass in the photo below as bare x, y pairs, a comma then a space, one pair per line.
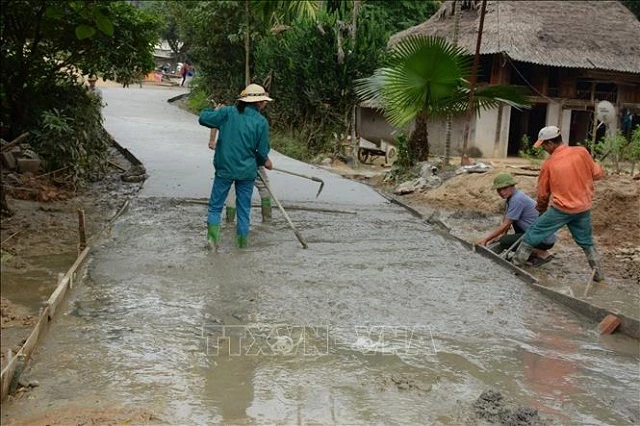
290, 146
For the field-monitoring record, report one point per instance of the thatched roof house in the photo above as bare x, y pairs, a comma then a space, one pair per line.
569, 54
602, 35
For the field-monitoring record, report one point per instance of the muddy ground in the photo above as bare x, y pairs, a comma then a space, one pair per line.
46, 226
41, 239
467, 204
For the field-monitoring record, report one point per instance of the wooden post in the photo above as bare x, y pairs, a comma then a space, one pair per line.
594, 128
81, 231
472, 83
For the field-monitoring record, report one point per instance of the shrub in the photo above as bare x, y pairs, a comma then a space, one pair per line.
612, 146
70, 135
288, 145
527, 150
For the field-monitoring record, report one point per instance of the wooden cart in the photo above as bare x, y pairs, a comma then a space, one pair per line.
368, 150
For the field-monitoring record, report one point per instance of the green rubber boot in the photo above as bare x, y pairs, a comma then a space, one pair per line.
266, 209
213, 236
231, 214
242, 241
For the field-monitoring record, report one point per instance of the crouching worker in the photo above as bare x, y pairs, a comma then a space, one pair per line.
242, 146
566, 177
520, 214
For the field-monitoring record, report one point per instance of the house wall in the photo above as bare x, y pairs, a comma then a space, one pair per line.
557, 92
482, 133
485, 132
373, 126
565, 125
438, 135
553, 115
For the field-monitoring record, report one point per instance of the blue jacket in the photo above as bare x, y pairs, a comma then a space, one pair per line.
243, 141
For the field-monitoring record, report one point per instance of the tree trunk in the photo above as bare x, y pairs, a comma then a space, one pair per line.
247, 47
456, 31
355, 135
419, 139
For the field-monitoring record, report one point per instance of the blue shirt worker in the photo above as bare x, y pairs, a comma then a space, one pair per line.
520, 214
242, 147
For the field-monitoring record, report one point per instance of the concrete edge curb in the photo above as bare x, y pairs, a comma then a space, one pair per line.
629, 326
125, 152
178, 97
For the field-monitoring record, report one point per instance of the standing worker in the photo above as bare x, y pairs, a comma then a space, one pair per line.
92, 79
265, 197
184, 71
263, 192
242, 147
520, 213
566, 178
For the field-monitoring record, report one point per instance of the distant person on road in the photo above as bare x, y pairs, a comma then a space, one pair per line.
184, 71
242, 147
520, 213
92, 89
566, 178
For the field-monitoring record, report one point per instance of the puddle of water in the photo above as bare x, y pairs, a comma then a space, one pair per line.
379, 321
34, 285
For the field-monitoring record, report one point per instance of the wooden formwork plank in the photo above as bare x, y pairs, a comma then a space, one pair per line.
7, 375
58, 294
64, 283
30, 344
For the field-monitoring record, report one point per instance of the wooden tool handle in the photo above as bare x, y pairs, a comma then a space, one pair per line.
213, 138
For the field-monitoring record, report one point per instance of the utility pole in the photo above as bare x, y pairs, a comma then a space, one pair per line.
457, 10
472, 82
355, 137
247, 46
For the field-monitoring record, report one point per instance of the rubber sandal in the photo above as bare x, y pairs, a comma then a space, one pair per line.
538, 261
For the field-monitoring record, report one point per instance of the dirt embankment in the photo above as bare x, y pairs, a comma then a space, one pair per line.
40, 240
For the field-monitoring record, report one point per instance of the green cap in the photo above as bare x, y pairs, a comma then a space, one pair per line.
503, 180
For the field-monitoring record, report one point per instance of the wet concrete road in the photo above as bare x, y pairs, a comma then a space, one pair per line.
381, 320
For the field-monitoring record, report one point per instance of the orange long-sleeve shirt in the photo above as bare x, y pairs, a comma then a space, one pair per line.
567, 178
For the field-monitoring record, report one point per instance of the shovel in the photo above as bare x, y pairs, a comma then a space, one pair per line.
513, 247
313, 178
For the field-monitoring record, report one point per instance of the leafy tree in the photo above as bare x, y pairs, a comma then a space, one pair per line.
167, 13
46, 48
397, 15
427, 77
633, 150
313, 90
46, 44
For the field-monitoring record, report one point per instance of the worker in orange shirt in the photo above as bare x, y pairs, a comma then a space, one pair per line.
566, 178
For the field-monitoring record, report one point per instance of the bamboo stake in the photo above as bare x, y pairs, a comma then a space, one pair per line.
593, 274
117, 166
9, 237
81, 231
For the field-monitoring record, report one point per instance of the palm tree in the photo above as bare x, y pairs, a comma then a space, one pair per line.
266, 14
427, 77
